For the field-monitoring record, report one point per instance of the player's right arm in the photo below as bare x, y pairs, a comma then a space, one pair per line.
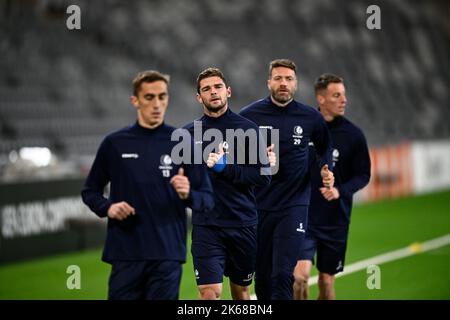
321, 138
120, 210
98, 178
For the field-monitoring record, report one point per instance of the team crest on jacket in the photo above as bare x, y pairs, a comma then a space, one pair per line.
165, 166
298, 135
225, 146
335, 156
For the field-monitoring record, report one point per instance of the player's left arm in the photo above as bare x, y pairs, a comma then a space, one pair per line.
360, 165
193, 185
258, 174
246, 174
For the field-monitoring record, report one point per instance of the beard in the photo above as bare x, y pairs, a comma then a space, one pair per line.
214, 109
281, 98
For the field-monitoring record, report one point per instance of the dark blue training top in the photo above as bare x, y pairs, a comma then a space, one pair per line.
351, 171
137, 162
234, 186
298, 124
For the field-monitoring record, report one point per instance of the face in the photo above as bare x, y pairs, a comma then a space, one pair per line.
282, 84
151, 103
213, 94
332, 100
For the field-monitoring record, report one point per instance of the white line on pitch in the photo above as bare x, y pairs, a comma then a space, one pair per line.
410, 250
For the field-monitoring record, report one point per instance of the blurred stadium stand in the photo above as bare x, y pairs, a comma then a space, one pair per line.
66, 89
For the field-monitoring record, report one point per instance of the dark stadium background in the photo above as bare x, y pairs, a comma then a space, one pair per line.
64, 90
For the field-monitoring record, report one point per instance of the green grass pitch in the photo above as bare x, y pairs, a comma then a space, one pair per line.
376, 228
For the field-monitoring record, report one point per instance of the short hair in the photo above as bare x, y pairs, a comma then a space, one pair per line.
208, 73
148, 76
324, 80
286, 63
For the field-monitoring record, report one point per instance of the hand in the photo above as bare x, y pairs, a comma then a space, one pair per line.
181, 184
213, 158
272, 156
120, 210
330, 194
327, 177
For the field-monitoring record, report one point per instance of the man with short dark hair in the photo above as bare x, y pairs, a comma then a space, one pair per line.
146, 234
330, 209
283, 205
224, 240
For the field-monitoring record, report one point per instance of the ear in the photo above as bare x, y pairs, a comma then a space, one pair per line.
199, 99
268, 84
228, 92
320, 99
134, 101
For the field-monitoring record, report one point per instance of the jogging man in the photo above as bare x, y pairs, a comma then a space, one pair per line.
330, 209
146, 234
224, 241
283, 205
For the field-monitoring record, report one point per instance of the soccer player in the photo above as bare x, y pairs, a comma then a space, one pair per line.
283, 205
146, 233
224, 241
330, 209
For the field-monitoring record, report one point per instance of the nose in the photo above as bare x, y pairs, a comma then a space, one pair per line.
157, 104
156, 107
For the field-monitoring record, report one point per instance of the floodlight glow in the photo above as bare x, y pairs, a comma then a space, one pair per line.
39, 156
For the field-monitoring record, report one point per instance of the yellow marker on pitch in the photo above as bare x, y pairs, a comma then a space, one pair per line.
416, 247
